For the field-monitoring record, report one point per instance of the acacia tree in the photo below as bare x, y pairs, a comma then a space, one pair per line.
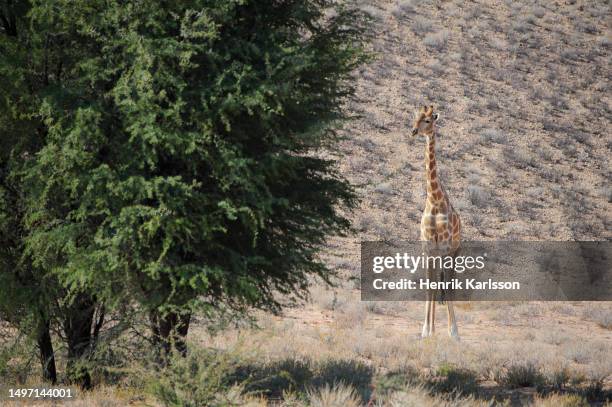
23, 296
26, 297
181, 162
32, 297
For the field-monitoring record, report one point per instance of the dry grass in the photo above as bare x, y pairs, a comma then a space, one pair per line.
554, 355
338, 395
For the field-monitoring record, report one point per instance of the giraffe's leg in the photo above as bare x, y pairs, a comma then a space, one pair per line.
427, 329
432, 322
452, 322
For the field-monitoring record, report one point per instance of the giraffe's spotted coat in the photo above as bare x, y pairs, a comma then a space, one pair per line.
440, 223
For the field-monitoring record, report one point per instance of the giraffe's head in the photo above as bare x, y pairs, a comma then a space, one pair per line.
424, 121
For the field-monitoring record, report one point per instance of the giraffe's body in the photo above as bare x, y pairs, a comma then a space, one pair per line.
440, 223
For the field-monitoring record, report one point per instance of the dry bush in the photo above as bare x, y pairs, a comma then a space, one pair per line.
337, 395
493, 136
351, 315
522, 375
558, 400
418, 396
538, 11
601, 315
553, 336
421, 25
606, 192
402, 7
372, 11
578, 351
384, 189
477, 196
437, 40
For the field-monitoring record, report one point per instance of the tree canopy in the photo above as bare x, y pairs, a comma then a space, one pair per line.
168, 153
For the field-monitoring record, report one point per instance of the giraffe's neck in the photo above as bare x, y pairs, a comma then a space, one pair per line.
434, 188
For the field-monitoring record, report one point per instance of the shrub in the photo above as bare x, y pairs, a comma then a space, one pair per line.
203, 378
493, 136
402, 7
421, 25
558, 376
606, 192
539, 12
397, 380
275, 378
519, 158
579, 352
302, 377
372, 11
437, 40
477, 196
451, 379
558, 400
594, 391
338, 395
522, 375
384, 189
353, 373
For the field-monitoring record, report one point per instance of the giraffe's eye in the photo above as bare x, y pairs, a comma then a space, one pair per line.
427, 121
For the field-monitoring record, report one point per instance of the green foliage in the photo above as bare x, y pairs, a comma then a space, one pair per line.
594, 391
170, 155
176, 158
200, 379
15, 360
451, 379
397, 380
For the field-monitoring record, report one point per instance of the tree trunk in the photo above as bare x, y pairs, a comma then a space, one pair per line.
47, 356
78, 329
169, 333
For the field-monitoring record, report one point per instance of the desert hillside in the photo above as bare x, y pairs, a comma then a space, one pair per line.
523, 89
524, 94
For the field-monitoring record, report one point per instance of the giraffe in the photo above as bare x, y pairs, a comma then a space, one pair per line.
440, 223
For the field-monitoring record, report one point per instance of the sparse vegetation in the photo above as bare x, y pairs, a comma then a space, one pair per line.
437, 40
458, 381
477, 196
337, 395
523, 375
602, 316
493, 136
